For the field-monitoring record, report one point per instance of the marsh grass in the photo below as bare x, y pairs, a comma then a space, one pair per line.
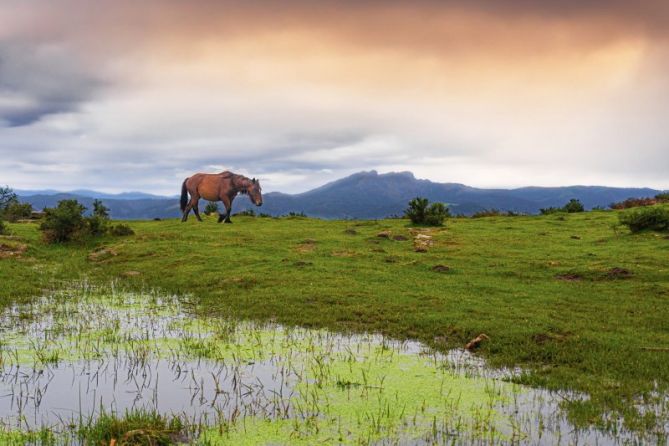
592, 335
251, 383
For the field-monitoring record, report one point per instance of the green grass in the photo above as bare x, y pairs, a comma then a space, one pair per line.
591, 334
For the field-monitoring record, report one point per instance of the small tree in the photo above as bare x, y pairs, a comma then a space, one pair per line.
16, 211
436, 214
420, 213
211, 208
574, 205
98, 222
64, 222
7, 196
100, 209
416, 210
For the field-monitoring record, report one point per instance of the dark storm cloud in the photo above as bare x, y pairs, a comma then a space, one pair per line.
418, 85
41, 79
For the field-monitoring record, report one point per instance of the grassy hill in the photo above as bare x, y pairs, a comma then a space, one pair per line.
582, 305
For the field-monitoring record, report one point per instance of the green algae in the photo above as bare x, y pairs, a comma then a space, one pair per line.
357, 389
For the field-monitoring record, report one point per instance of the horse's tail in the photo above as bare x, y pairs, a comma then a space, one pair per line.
184, 195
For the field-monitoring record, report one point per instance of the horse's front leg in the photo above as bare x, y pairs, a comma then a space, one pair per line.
228, 208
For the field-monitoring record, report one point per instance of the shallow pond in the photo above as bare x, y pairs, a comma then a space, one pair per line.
70, 356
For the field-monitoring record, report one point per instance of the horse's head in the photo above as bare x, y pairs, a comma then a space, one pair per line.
255, 192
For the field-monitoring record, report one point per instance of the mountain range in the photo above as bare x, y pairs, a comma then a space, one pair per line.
364, 195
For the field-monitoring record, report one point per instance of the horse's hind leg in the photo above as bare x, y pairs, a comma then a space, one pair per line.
192, 204
184, 217
197, 211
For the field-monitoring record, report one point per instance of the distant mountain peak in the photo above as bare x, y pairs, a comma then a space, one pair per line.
362, 195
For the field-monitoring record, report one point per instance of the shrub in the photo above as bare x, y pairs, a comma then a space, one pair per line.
97, 225
654, 219
420, 213
7, 196
416, 210
549, 210
100, 210
663, 197
211, 208
121, 230
16, 211
65, 222
3, 228
487, 213
436, 214
633, 203
574, 205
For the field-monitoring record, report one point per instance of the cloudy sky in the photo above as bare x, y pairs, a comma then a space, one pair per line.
125, 95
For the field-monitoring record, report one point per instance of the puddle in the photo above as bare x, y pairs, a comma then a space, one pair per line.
68, 357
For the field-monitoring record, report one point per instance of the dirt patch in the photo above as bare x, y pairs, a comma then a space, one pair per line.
400, 238
666, 237
12, 250
569, 277
392, 259
241, 282
441, 268
422, 242
131, 273
302, 263
618, 273
378, 250
543, 338
344, 253
384, 234
307, 245
575, 237
350, 231
102, 254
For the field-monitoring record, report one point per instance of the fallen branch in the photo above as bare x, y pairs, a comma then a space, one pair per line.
471, 345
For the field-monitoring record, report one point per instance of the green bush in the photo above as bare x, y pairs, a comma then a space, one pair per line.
97, 225
3, 228
550, 210
100, 210
417, 210
649, 218
211, 208
121, 229
7, 196
574, 205
65, 222
420, 212
16, 211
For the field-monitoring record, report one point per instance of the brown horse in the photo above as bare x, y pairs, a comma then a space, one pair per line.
222, 186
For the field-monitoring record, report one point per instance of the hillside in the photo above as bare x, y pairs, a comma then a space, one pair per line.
364, 195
